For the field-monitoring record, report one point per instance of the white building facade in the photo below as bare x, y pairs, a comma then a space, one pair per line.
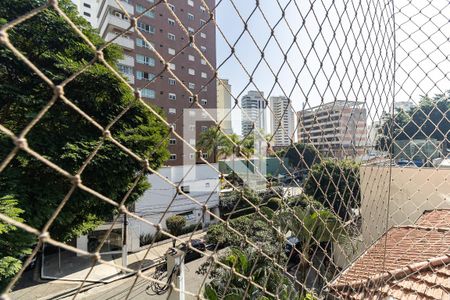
88, 9
282, 121
253, 112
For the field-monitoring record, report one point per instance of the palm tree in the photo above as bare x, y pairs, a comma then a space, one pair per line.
312, 225
213, 142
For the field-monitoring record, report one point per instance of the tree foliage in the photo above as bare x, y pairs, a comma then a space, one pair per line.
62, 135
175, 224
431, 119
335, 184
302, 156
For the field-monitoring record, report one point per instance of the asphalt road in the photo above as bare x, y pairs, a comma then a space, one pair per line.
121, 288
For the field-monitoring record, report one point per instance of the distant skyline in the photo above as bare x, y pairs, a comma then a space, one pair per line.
343, 63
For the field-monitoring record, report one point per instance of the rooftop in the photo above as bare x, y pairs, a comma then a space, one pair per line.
406, 262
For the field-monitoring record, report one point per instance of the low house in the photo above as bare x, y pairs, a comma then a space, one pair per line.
407, 262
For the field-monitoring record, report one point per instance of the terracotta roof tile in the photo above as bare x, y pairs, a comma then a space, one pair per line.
435, 218
407, 262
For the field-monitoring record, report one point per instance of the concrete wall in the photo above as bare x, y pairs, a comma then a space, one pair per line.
203, 184
412, 191
397, 198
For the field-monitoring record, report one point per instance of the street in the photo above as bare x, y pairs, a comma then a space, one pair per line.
120, 289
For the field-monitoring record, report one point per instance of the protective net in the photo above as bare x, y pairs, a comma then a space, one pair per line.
336, 187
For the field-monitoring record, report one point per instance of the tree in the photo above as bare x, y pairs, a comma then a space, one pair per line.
175, 225
14, 243
213, 142
429, 120
62, 135
335, 184
225, 284
302, 156
233, 203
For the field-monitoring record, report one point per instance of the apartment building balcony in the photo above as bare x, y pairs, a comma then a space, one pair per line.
107, 5
127, 60
114, 20
122, 41
130, 78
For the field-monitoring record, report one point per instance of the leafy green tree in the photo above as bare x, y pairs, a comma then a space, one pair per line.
213, 142
14, 243
431, 119
62, 135
175, 225
233, 203
335, 184
302, 156
225, 284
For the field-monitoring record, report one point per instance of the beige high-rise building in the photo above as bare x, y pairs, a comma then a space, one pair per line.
224, 105
282, 121
338, 128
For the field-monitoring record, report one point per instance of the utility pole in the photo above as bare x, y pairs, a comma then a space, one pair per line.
175, 264
124, 242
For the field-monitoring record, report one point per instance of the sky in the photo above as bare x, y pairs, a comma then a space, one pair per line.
343, 50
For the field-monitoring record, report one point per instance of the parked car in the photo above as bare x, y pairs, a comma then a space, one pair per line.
291, 244
191, 254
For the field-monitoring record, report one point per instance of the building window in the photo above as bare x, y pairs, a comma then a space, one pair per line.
87, 5
203, 48
171, 51
87, 14
145, 27
144, 76
148, 93
191, 155
145, 60
171, 22
191, 57
204, 88
204, 128
190, 17
173, 156
171, 36
172, 111
172, 7
172, 81
205, 155
202, 61
202, 22
125, 69
204, 101
143, 44
141, 9
172, 142
204, 75
191, 99
191, 71
191, 30
185, 189
202, 8
203, 35
191, 85
172, 66
191, 3
172, 96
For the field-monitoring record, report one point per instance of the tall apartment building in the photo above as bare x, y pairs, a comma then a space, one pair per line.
224, 105
337, 127
253, 112
282, 121
146, 72
88, 9
141, 65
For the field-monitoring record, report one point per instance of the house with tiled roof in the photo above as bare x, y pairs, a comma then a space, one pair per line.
407, 262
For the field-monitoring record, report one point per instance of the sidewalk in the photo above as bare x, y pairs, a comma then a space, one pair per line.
75, 269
